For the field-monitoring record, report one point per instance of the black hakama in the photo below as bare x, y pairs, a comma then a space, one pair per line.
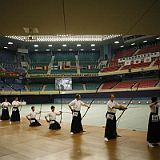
54, 125
153, 134
34, 122
15, 114
76, 126
5, 114
110, 129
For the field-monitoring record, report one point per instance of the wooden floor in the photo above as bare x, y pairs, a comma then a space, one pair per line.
20, 142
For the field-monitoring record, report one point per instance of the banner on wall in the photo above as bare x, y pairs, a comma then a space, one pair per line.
147, 59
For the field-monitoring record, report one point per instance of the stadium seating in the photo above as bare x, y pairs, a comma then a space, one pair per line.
89, 70
77, 86
157, 62
40, 58
109, 85
139, 65
147, 83
149, 49
64, 71
34, 71
125, 84
125, 53
50, 87
88, 58
110, 69
92, 86
35, 87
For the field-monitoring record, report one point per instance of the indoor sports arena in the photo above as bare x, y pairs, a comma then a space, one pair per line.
79, 80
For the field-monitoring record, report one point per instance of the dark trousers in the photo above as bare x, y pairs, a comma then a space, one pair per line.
153, 134
76, 126
110, 129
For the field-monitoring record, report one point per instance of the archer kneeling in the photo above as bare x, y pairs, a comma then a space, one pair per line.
32, 118
53, 124
110, 129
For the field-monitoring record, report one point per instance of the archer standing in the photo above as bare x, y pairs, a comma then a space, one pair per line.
15, 111
153, 134
110, 129
5, 111
75, 107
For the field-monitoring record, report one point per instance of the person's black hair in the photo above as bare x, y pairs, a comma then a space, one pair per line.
32, 107
154, 99
77, 95
52, 107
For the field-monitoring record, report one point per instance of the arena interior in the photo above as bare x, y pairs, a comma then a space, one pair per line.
52, 50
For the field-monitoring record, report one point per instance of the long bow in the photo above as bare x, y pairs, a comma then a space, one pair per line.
92, 101
40, 112
118, 119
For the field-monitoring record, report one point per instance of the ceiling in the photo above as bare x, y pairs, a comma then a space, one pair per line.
82, 17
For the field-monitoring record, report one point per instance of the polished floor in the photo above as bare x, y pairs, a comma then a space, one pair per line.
18, 141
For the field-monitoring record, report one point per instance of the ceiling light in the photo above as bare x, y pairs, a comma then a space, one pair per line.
122, 46
78, 45
50, 45
6, 47
58, 49
70, 49
145, 41
36, 50
10, 43
35, 45
82, 49
132, 44
92, 45
158, 38
93, 49
64, 45
47, 49
116, 42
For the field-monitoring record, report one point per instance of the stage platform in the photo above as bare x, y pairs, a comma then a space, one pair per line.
18, 141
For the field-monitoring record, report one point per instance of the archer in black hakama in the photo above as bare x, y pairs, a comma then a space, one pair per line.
5, 114
32, 118
53, 124
5, 110
153, 134
15, 116
34, 122
76, 125
110, 129
75, 107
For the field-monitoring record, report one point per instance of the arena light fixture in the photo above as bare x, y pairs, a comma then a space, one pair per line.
57, 38
122, 46
59, 49
78, 45
158, 38
82, 49
36, 45
64, 45
116, 42
145, 41
93, 45
36, 50
93, 49
50, 45
5, 47
47, 49
70, 49
132, 44
10, 43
